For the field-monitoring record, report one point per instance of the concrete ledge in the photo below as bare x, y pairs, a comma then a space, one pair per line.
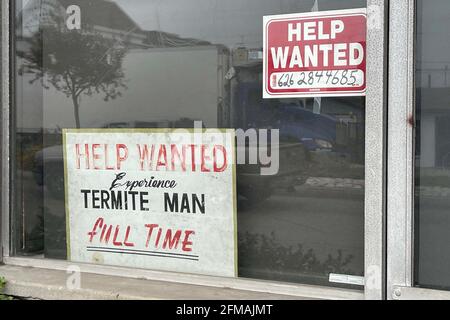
37, 283
239, 284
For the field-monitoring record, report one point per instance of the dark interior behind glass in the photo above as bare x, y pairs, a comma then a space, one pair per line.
432, 192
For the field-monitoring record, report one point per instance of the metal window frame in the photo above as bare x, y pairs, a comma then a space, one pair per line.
375, 200
400, 188
1, 117
4, 127
375, 181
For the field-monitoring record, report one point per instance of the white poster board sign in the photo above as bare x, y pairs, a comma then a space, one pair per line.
155, 199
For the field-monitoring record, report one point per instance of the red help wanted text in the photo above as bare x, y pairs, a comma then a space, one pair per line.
155, 157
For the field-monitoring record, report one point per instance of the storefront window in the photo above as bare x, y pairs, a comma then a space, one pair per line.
432, 201
165, 64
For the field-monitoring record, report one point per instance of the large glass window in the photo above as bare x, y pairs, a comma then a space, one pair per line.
432, 192
166, 64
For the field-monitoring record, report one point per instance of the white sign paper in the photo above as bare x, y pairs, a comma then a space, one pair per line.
155, 199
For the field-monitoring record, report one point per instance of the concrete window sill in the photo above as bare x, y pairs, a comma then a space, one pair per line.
38, 283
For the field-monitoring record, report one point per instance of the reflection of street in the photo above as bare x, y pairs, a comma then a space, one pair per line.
335, 183
319, 222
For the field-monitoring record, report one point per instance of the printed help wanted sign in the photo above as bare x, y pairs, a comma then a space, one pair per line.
318, 54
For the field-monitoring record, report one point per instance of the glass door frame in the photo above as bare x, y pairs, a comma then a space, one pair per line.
375, 190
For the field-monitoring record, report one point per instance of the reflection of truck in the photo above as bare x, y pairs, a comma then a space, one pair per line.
250, 111
322, 137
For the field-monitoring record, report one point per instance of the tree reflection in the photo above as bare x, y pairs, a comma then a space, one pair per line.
75, 63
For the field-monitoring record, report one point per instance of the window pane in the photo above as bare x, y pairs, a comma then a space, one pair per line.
166, 64
432, 201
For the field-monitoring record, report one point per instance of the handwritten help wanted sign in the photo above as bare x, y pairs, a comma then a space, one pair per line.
160, 200
320, 54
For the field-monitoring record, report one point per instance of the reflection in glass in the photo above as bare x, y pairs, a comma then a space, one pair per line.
166, 64
432, 172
